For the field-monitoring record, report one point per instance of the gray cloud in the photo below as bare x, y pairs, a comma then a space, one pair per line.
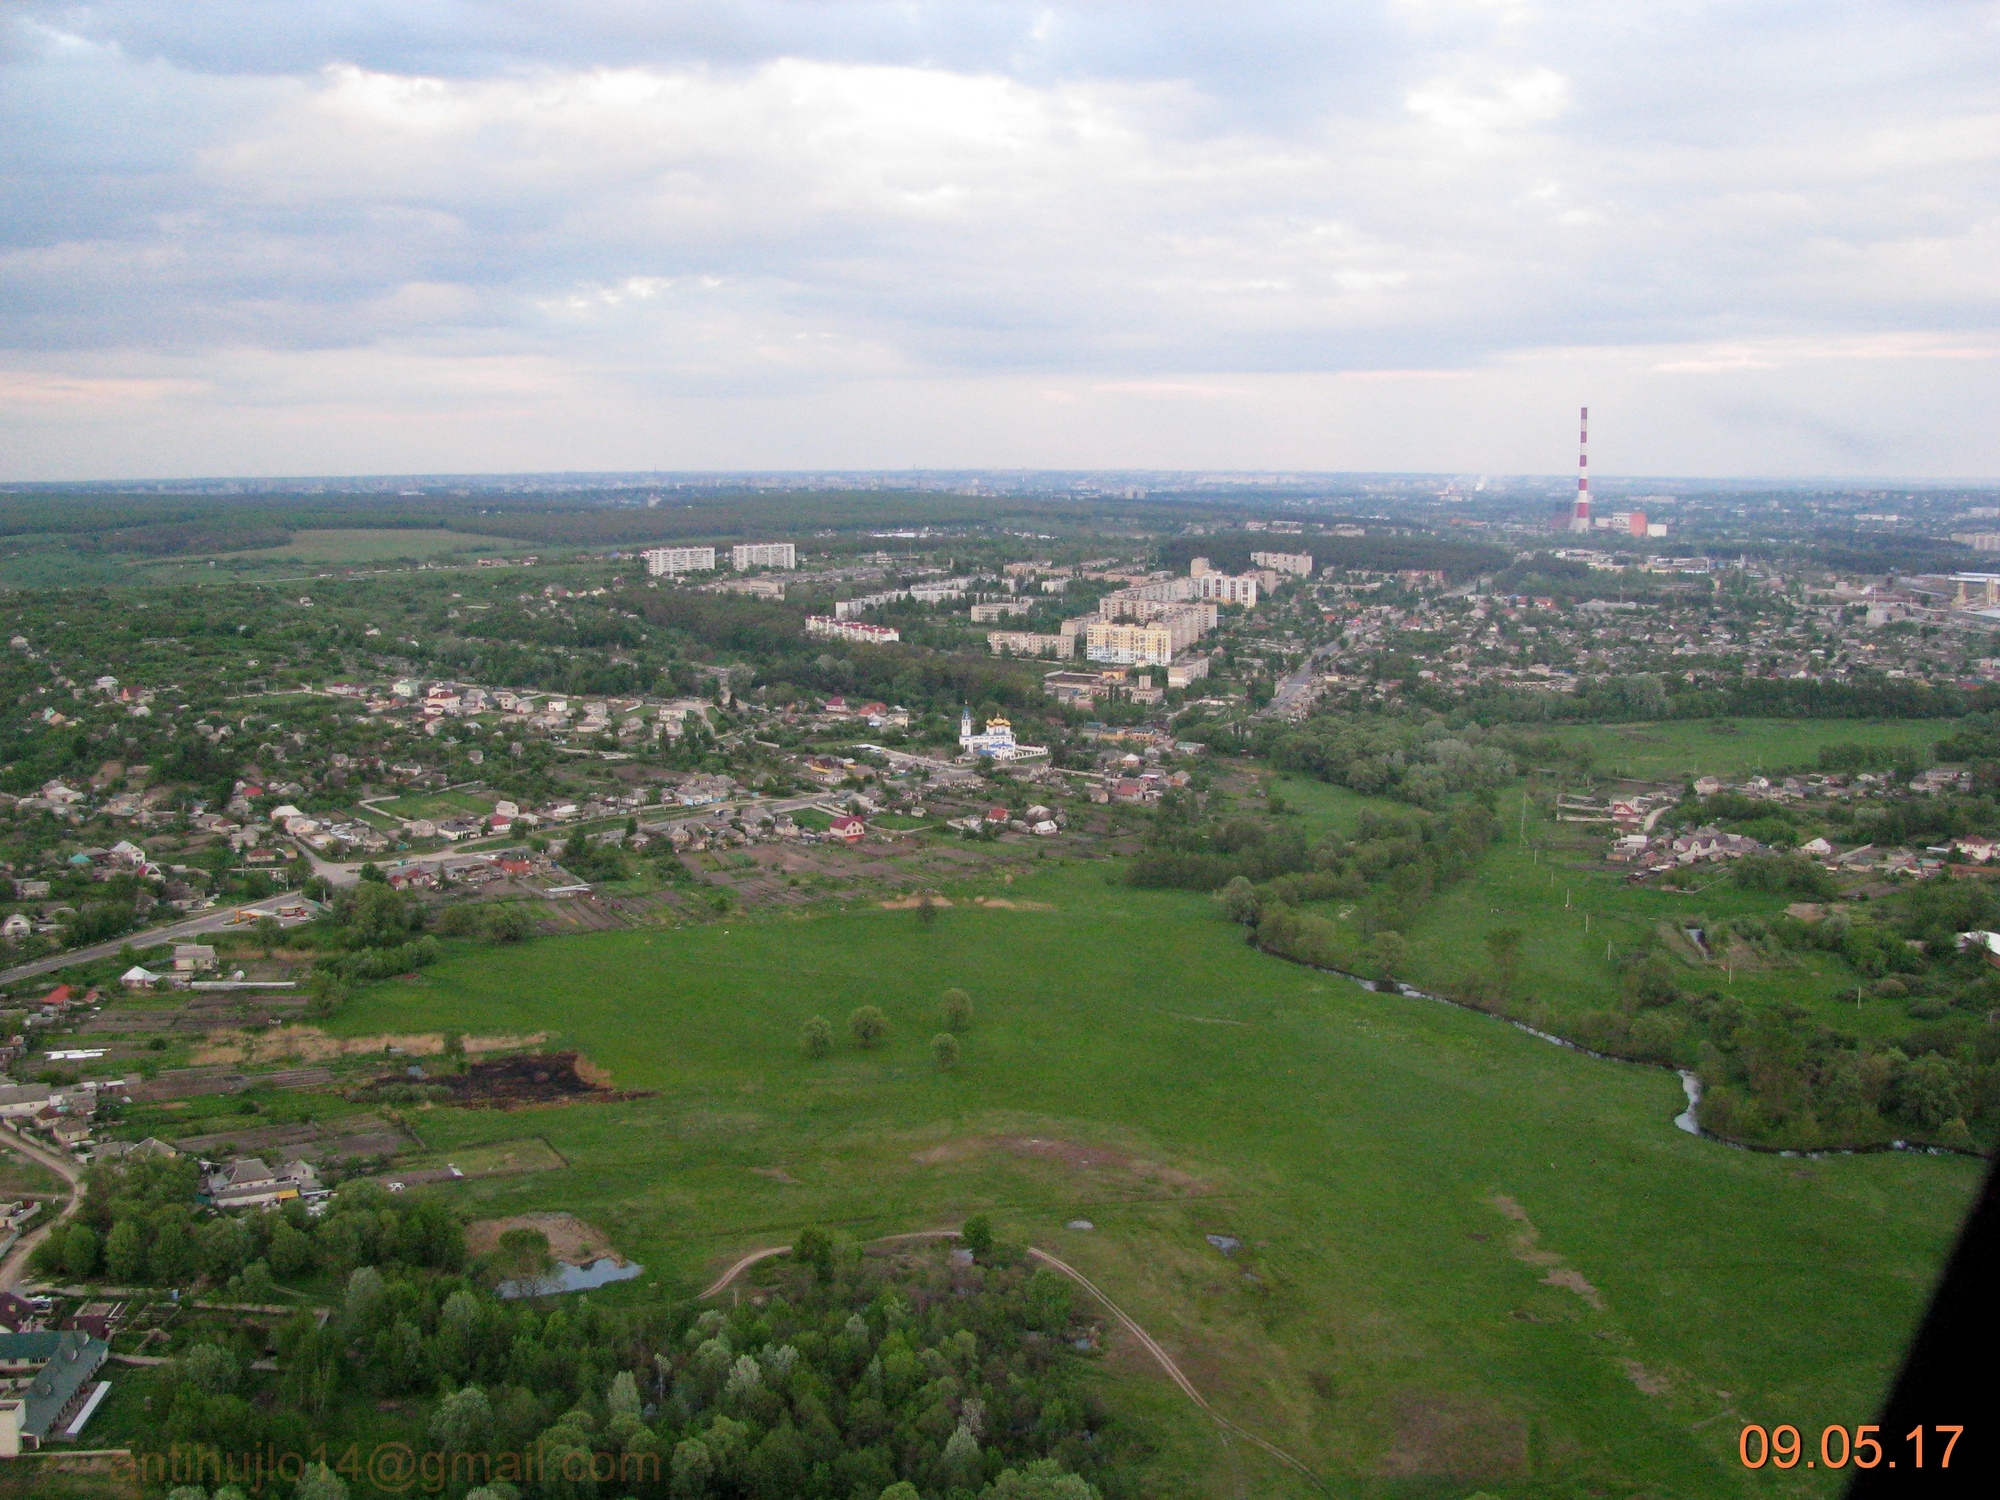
743, 203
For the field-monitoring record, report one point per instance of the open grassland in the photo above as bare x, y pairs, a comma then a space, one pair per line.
436, 806
1469, 1259
1321, 807
1577, 917
1748, 747
367, 545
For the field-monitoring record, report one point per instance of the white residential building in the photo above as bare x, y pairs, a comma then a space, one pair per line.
1298, 564
763, 555
666, 561
1225, 589
1029, 643
858, 631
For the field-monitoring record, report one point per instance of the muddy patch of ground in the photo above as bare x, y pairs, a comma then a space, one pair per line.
1527, 1247
309, 1044
1648, 1382
910, 903
531, 1078
778, 1174
570, 1238
1006, 904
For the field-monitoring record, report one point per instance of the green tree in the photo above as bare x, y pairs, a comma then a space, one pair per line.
977, 1233
1044, 1479
693, 1469
623, 1397
320, 1483
80, 1251
814, 1247
945, 1049
222, 1246
125, 1252
868, 1026
956, 1008
1239, 901
1388, 953
1051, 1300
210, 1368
817, 1036
291, 1252
462, 1422
524, 1254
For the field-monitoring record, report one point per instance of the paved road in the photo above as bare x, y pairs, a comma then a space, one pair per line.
17, 1259
1295, 692
208, 921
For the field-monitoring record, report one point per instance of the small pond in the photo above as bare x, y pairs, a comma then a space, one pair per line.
568, 1278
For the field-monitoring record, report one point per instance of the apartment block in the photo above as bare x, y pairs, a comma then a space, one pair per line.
763, 555
1029, 643
995, 611
1297, 564
666, 561
858, 631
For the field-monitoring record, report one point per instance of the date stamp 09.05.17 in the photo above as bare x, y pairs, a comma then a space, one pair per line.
1783, 1447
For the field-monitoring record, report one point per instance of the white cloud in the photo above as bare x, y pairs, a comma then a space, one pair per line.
1115, 209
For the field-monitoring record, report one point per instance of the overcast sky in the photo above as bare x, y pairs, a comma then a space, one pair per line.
366, 236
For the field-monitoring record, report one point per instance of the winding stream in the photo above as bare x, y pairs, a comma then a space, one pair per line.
1690, 1080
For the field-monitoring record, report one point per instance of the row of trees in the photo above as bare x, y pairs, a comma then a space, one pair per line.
140, 1225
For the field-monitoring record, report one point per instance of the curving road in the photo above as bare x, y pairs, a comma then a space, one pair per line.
17, 1259
177, 932
1146, 1340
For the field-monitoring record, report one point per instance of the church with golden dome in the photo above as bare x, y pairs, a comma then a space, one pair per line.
996, 741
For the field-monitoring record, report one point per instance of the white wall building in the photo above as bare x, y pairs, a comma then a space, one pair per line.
1298, 564
666, 561
996, 741
763, 555
858, 631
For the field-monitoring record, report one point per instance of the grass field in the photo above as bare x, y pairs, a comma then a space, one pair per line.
20, 1175
1660, 752
436, 805
1469, 1259
1575, 919
373, 545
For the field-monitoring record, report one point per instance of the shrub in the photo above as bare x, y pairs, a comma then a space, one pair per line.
868, 1026
944, 1047
817, 1037
956, 1007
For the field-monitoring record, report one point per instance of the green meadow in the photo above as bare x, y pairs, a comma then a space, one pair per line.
1746, 747
1469, 1259
373, 544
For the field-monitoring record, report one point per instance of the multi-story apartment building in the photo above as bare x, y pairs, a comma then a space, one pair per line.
1155, 644
1298, 564
763, 555
858, 631
666, 561
1029, 643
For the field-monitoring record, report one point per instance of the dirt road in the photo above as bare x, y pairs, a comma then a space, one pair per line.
16, 1264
